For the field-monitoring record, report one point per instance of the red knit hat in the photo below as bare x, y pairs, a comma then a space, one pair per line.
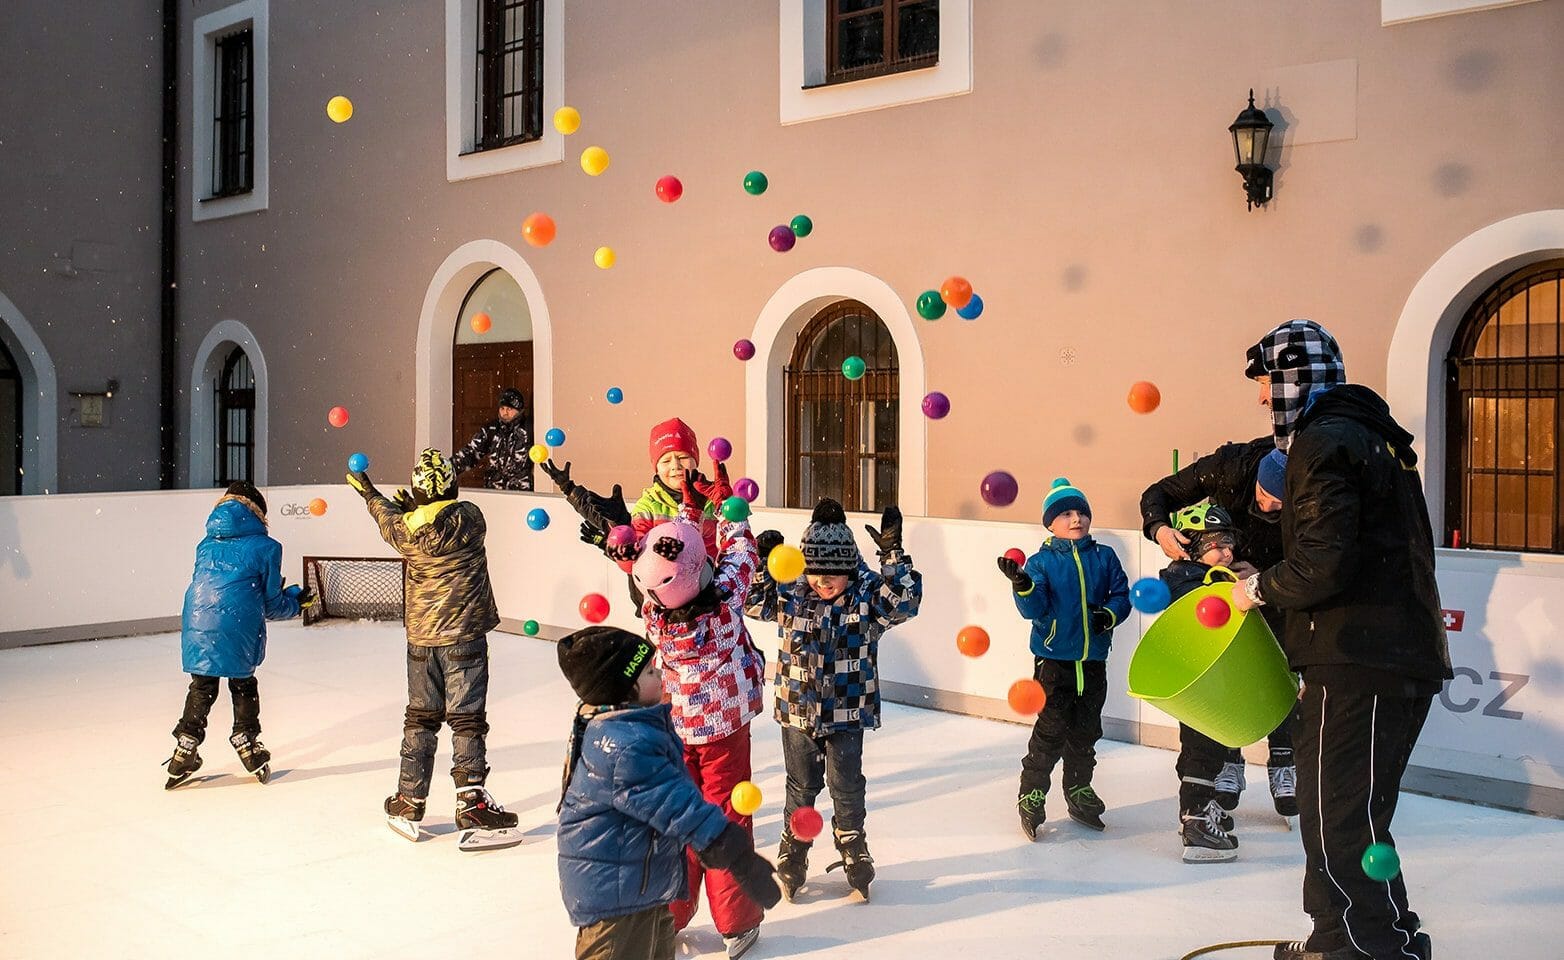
673, 435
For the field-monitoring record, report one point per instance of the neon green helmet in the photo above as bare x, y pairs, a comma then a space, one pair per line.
1204, 518
434, 477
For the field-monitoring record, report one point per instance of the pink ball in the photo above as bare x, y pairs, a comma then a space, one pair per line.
719, 449
747, 488
621, 535
806, 823
782, 238
936, 405
999, 489
744, 349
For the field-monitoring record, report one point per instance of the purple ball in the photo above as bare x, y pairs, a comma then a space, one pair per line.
999, 489
782, 238
720, 449
743, 349
747, 488
936, 405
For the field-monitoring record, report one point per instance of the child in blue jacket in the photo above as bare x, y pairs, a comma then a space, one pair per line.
629, 808
236, 588
1074, 591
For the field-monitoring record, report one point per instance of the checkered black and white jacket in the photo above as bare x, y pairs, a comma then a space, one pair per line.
828, 679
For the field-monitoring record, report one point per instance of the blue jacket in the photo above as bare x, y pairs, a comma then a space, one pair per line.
629, 811
1068, 578
236, 588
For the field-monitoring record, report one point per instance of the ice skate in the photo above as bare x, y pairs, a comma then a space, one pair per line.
184, 762
484, 824
403, 814
254, 755
1205, 839
1421, 948
739, 943
1284, 793
1230, 784
1085, 806
792, 864
856, 861
1032, 814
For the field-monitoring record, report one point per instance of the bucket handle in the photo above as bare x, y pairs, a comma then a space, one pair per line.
1231, 576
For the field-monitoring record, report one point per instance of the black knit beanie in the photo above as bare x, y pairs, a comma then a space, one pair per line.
246, 489
602, 663
827, 543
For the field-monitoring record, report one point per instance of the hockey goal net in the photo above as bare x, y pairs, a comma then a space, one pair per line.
354, 588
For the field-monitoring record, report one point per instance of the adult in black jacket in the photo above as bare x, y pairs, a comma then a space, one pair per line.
500, 447
1363, 628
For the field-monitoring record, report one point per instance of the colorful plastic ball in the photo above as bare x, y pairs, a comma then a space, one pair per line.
538, 229
555, 437
605, 258
801, 225
853, 368
621, 535
594, 608
1027, 697
743, 349
337, 416
972, 641
719, 449
1213, 612
745, 798
747, 488
999, 489
1381, 862
735, 508
936, 405
930, 306
972, 310
1144, 397
1016, 554
781, 238
339, 109
358, 463
786, 563
1150, 595
537, 518
530, 628
956, 292
594, 160
669, 188
615, 395
537, 453
567, 120
481, 322
755, 183
806, 823
317, 507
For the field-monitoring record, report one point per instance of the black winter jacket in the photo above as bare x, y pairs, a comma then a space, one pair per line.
1357, 580
1227, 477
500, 448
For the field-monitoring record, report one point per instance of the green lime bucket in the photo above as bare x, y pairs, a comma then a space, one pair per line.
1230, 682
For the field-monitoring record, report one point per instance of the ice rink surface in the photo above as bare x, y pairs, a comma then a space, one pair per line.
99, 861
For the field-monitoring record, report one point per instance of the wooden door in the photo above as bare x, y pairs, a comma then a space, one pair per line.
479, 372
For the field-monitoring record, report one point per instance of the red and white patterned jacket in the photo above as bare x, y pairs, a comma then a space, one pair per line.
711, 667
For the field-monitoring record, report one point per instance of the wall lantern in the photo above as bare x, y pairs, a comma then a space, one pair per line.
1251, 135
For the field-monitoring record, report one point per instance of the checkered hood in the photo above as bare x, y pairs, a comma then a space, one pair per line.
1302, 359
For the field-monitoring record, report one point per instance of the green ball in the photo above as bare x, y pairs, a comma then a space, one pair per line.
931, 306
755, 183
802, 225
530, 628
735, 509
1381, 862
853, 368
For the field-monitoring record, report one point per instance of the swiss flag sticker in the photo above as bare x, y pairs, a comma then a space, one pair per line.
1454, 619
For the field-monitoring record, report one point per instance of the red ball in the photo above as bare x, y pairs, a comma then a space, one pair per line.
972, 641
1213, 612
806, 823
337, 416
669, 188
1017, 555
1027, 697
594, 608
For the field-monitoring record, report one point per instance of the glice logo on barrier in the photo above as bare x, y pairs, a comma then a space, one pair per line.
1512, 684
300, 511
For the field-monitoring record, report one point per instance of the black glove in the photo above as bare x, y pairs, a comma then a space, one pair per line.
888, 537
306, 599
734, 851
560, 476
359, 480
1101, 619
767, 542
592, 536
1013, 572
404, 501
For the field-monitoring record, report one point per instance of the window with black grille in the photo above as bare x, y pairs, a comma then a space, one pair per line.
508, 100
1506, 416
10, 424
236, 420
233, 112
868, 38
842, 435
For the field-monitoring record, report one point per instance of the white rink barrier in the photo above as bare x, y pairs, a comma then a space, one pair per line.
91, 565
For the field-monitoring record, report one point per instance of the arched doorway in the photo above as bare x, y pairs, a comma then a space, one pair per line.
483, 364
235, 390
10, 424
229, 424
31, 467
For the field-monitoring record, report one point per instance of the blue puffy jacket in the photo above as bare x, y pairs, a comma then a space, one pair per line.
236, 588
629, 811
1068, 578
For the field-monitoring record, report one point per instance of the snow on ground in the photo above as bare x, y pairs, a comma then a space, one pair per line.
100, 861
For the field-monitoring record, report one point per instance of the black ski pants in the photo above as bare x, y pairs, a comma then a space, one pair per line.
447, 684
1200, 761
1069, 726
203, 693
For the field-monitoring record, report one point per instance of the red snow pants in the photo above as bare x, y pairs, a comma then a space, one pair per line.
716, 768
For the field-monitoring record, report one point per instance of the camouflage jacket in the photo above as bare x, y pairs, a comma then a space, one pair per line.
501, 449
448, 597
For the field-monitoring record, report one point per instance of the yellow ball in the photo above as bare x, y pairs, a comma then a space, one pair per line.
339, 109
567, 120
594, 160
785, 563
746, 798
604, 257
538, 453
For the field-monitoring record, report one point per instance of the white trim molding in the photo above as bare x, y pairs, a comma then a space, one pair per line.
208, 366
461, 67
802, 67
204, 34
40, 401
1406, 11
776, 330
1414, 369
437, 328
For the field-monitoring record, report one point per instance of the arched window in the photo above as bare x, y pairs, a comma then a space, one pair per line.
10, 424
483, 364
1506, 404
235, 419
841, 433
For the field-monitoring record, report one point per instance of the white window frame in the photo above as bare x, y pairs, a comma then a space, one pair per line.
802, 67
461, 67
256, 14
1407, 11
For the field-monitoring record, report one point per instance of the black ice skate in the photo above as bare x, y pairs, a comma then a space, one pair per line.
856, 861
1086, 808
1032, 815
403, 814
739, 943
184, 762
1205, 839
792, 864
1229, 784
1421, 948
484, 824
1284, 792
254, 755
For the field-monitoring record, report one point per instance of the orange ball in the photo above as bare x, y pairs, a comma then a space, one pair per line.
481, 322
1144, 397
956, 292
1027, 697
972, 641
538, 229
318, 507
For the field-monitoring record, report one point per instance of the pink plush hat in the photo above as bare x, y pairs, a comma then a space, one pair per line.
673, 567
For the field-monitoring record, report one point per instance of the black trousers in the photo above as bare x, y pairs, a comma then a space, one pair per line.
1352, 748
203, 693
1200, 760
1069, 726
